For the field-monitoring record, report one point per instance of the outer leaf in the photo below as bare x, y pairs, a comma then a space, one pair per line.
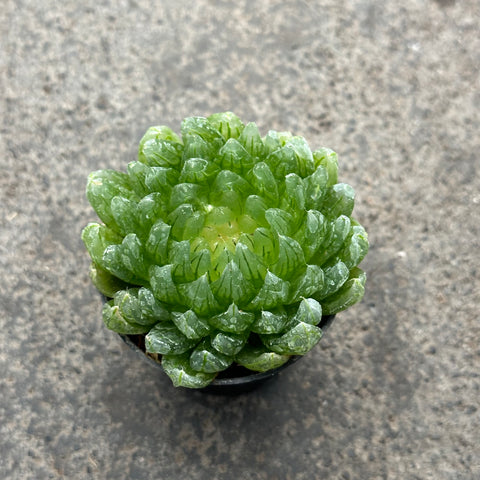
199, 297
297, 341
192, 326
328, 159
229, 343
349, 294
161, 179
179, 257
338, 200
273, 293
102, 186
233, 156
206, 359
125, 213
97, 238
163, 286
137, 172
126, 261
315, 187
280, 220
283, 161
335, 277
263, 180
309, 311
255, 207
199, 126
260, 359
311, 233
232, 320
338, 231
152, 310
291, 260
187, 193
228, 124
161, 153
251, 266
198, 170
114, 321
251, 140
270, 321
307, 284
150, 209
177, 367
305, 161
105, 282
156, 245
354, 249
294, 197
232, 286
160, 132
166, 339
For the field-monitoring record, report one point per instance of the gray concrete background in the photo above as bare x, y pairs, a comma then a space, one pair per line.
392, 392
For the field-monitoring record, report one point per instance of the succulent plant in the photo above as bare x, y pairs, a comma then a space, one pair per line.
224, 247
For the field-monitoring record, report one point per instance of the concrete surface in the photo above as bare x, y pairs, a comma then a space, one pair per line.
392, 392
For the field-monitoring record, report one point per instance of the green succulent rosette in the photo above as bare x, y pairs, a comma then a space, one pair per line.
224, 247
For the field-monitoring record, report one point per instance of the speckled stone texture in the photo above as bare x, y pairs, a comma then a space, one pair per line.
392, 391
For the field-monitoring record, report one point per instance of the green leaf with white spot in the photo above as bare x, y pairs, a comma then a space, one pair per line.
177, 367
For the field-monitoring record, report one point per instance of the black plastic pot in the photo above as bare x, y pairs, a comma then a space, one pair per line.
235, 379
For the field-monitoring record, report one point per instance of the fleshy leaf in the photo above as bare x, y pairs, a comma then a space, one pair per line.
163, 286
127, 261
349, 294
338, 200
228, 343
178, 220
161, 153
333, 240
161, 180
263, 180
232, 320
97, 238
140, 306
328, 159
160, 132
311, 233
199, 297
291, 260
260, 359
156, 245
102, 186
255, 207
105, 282
125, 213
198, 170
177, 367
232, 286
199, 126
283, 161
233, 156
187, 193
114, 321
280, 220
315, 187
309, 311
206, 359
192, 326
179, 257
354, 249
251, 266
305, 161
294, 198
137, 172
270, 321
251, 140
274, 292
334, 278
166, 339
149, 209
227, 123
307, 283
297, 341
